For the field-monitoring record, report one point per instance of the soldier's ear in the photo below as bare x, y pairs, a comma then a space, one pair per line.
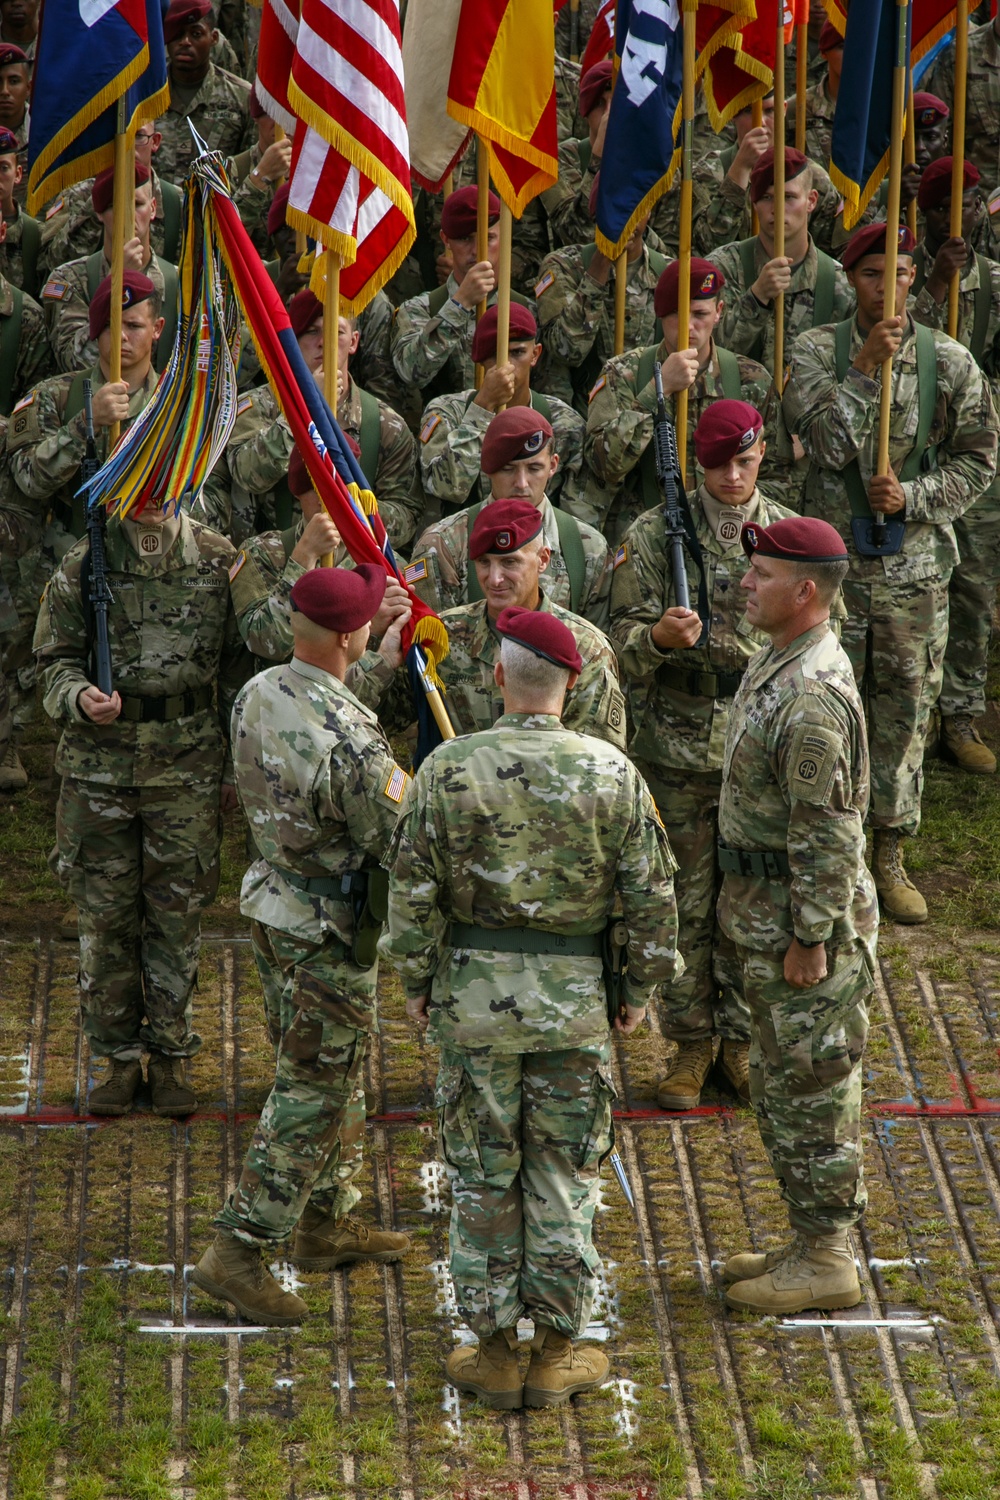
498, 676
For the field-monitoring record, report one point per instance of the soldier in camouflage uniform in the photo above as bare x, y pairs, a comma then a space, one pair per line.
453, 427
567, 78
567, 203
15, 85
138, 823
67, 293
682, 674
20, 550
821, 99
20, 235
799, 904
982, 98
972, 591
623, 402
519, 458
217, 103
584, 22
897, 600
321, 792
19, 25
497, 903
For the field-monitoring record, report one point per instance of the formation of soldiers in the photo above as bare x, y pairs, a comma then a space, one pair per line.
679, 762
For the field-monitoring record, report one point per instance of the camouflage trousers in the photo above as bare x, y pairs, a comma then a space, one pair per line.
24, 571
895, 636
307, 1146
6, 717
707, 1000
142, 864
524, 1135
972, 597
806, 1051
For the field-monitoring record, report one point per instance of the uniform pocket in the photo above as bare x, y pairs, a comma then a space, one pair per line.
598, 1137
458, 1136
816, 1052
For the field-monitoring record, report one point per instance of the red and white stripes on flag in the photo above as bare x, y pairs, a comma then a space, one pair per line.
331, 72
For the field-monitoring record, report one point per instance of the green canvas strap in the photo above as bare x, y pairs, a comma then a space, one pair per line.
729, 374
10, 344
289, 539
284, 510
826, 287
748, 261
584, 151
370, 435
173, 199
31, 244
168, 311
570, 545
440, 295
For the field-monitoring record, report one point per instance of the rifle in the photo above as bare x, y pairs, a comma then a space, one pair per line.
100, 595
668, 472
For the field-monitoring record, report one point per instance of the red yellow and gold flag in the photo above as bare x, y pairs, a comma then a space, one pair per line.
742, 68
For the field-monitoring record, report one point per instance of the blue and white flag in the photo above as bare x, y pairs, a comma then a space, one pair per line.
862, 120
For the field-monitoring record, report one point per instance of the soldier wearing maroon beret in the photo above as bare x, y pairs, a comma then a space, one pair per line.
216, 101
942, 453
567, 203
682, 667
821, 95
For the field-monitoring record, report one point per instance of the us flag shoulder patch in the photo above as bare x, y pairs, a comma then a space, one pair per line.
54, 291
547, 280
25, 401
415, 571
395, 787
430, 427
597, 386
237, 565
621, 555
993, 201
53, 209
244, 404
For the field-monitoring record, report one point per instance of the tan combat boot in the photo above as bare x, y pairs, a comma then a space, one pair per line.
489, 1370
68, 925
234, 1272
819, 1273
682, 1086
560, 1369
13, 776
962, 744
734, 1060
899, 896
114, 1096
747, 1264
171, 1095
322, 1242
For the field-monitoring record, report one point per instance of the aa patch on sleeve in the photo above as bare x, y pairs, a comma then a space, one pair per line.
547, 280
237, 565
812, 763
430, 427
415, 571
54, 291
395, 787
596, 388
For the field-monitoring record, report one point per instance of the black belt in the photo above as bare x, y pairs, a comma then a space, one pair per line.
770, 863
695, 684
524, 940
140, 709
333, 887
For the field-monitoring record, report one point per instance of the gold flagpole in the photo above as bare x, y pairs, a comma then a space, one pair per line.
801, 83
958, 148
621, 283
779, 191
684, 238
503, 286
124, 206
331, 332
574, 31
892, 225
482, 225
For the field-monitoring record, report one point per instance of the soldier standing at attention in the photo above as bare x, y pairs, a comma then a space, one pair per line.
217, 103
799, 904
321, 793
508, 863
682, 677
942, 454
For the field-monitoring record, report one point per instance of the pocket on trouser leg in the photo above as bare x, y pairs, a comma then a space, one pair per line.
482, 1296
563, 1294
836, 1185
458, 1136
599, 1132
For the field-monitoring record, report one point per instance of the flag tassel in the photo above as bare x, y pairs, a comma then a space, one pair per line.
958, 149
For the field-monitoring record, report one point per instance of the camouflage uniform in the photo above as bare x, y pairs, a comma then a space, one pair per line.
795, 780
897, 606
747, 327
524, 1089
305, 746
620, 424
74, 230
820, 109
587, 17
678, 734
439, 350
529, 233
371, 365
220, 112
567, 203
20, 586
568, 121
722, 209
439, 571
982, 99
66, 303
451, 439
138, 826
13, 257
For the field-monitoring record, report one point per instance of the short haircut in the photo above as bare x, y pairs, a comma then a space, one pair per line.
533, 676
827, 576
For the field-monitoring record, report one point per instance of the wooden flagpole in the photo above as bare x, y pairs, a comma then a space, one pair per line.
621, 284
482, 225
779, 191
331, 341
892, 224
124, 206
684, 238
958, 148
503, 286
801, 83
574, 31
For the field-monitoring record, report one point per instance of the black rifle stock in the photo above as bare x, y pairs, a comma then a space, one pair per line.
668, 472
100, 593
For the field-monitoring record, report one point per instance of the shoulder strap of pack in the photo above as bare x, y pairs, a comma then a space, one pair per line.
748, 261
168, 311
826, 285
94, 273
842, 346
171, 219
571, 547
982, 300
657, 263
584, 151
74, 401
284, 510
10, 346
587, 253
542, 405
926, 400
31, 244
288, 540
729, 374
437, 300
473, 592
371, 433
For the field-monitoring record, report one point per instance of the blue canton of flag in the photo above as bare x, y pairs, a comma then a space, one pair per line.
92, 57
862, 121
640, 149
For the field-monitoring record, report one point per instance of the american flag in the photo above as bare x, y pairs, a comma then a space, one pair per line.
331, 72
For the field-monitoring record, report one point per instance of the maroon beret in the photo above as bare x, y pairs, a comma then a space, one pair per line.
796, 538
136, 288
870, 240
762, 176
183, 13
928, 110
276, 213
504, 526
593, 84
521, 326
340, 599
935, 182
706, 281
518, 432
724, 429
299, 479
8, 143
829, 37
303, 310
458, 216
541, 633
102, 191
9, 55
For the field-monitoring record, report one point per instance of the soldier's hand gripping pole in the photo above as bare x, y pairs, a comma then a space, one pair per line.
669, 474
100, 593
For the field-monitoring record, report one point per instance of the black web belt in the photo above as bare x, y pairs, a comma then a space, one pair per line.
772, 864
524, 940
